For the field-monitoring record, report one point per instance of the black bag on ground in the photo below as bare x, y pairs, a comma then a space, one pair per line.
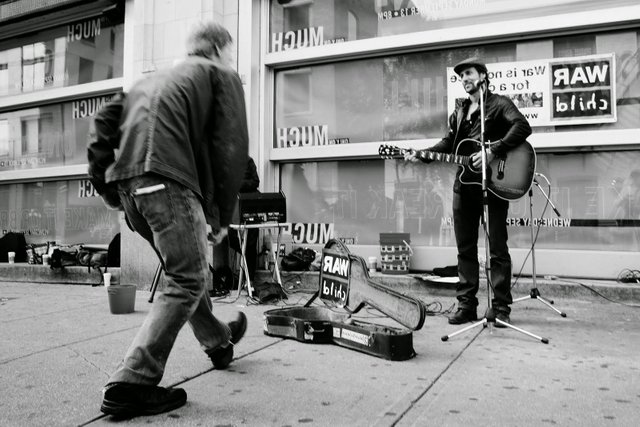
298, 259
13, 242
222, 281
113, 253
91, 257
64, 256
267, 292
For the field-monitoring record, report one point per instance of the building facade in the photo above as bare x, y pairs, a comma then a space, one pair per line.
327, 83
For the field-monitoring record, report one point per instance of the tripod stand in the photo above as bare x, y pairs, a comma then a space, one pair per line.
490, 315
534, 293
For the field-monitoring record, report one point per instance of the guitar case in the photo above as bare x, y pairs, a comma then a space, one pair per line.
327, 325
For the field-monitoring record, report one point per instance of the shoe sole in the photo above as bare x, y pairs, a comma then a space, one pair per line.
110, 407
225, 361
241, 332
459, 322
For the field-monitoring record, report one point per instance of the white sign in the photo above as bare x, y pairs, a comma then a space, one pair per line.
551, 92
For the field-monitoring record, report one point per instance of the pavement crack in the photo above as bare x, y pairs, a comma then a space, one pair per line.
88, 361
44, 350
393, 415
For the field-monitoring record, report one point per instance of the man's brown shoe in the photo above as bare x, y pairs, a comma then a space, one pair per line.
222, 356
463, 316
126, 400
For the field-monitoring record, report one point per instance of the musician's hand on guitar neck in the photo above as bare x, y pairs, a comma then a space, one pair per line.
476, 158
411, 155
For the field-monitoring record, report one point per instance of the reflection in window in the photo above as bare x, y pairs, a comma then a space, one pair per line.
85, 73
352, 26
297, 100
67, 212
76, 53
4, 137
364, 198
50, 135
30, 135
405, 97
378, 18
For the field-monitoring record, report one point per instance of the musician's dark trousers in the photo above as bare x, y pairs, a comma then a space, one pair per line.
467, 214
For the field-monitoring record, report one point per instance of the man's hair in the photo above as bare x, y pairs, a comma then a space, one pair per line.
207, 39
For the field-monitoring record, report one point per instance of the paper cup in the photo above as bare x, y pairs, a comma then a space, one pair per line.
372, 264
107, 279
45, 259
12, 257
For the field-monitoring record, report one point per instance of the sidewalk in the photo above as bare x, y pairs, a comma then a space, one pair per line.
59, 343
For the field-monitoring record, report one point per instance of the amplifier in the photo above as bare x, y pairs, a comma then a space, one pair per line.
258, 208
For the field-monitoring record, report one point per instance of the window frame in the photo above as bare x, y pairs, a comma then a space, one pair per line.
616, 18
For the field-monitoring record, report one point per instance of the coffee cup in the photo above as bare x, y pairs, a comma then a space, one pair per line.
12, 257
107, 279
372, 264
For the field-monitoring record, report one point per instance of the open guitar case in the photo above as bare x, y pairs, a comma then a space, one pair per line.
334, 324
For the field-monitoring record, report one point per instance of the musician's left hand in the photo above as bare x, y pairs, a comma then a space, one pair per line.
476, 158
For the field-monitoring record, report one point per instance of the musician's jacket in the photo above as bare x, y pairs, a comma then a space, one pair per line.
505, 128
187, 124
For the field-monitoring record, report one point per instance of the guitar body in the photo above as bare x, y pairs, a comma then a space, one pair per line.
509, 177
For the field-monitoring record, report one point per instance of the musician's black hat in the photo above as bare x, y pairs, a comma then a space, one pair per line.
470, 62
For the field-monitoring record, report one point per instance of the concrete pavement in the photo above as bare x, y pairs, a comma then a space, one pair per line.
59, 343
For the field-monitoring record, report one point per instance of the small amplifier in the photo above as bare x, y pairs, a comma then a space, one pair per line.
258, 208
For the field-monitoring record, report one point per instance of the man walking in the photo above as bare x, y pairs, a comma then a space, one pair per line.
182, 150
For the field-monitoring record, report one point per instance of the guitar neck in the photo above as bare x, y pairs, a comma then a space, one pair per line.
444, 157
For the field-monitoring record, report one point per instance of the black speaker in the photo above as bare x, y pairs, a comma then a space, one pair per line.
258, 208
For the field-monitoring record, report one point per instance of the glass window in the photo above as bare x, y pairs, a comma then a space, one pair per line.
80, 52
404, 97
597, 195
48, 135
296, 24
67, 212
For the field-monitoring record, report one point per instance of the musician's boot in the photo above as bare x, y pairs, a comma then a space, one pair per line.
502, 314
463, 315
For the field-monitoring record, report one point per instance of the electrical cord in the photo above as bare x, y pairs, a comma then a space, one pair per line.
593, 290
535, 239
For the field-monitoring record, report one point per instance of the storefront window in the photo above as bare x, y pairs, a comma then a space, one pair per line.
49, 135
562, 84
80, 52
597, 195
67, 212
298, 24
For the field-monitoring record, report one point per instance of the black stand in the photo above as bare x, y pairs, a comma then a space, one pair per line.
489, 316
534, 293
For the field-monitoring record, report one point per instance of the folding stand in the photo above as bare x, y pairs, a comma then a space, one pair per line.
489, 316
244, 269
534, 293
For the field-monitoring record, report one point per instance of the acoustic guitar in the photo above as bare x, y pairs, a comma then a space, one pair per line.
508, 177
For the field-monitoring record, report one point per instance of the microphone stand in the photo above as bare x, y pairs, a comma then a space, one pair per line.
534, 293
490, 315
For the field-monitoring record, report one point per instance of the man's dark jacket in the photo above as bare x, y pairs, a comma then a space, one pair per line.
505, 128
187, 124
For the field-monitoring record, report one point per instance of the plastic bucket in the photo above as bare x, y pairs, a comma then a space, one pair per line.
122, 298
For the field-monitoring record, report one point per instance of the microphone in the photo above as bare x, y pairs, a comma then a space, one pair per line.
477, 83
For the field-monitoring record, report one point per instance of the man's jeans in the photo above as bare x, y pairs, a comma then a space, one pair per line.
170, 217
467, 214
